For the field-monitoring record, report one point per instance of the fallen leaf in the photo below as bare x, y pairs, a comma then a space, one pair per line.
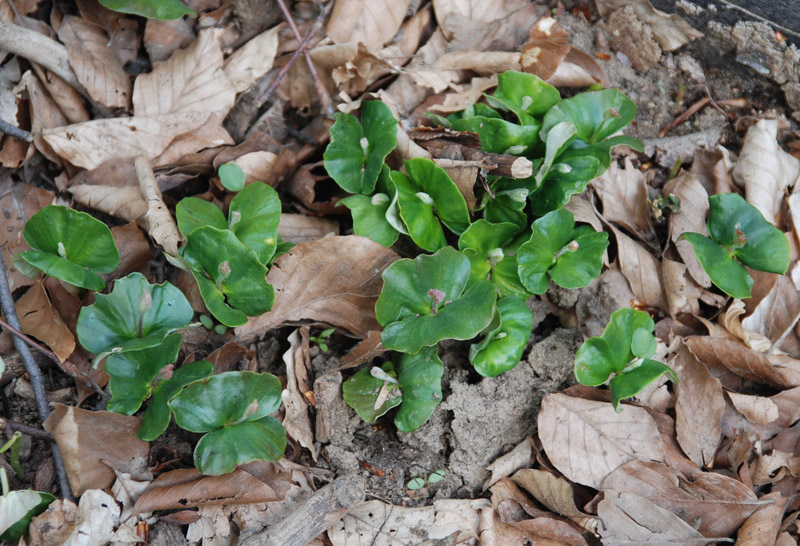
125, 203
162, 38
600, 438
94, 63
371, 22
251, 61
133, 248
699, 405
764, 169
45, 114
212, 526
257, 166
731, 355
38, 319
680, 290
364, 351
476, 11
624, 196
670, 31
641, 270
311, 180
469, 94
776, 316
762, 528
554, 492
628, 519
211, 134
94, 443
361, 71
227, 357
259, 481
55, 524
505, 465
299, 228
759, 410
714, 503
549, 531
191, 80
159, 221
731, 318
335, 280
296, 421
97, 518
712, 166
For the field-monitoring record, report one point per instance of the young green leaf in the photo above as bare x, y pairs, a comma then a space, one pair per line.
231, 176
436, 476
501, 136
524, 94
136, 315
724, 271
372, 396
507, 205
192, 213
633, 382
355, 154
502, 347
254, 216
571, 173
424, 301
596, 114
17, 509
415, 483
416, 214
71, 246
238, 424
559, 137
152, 9
448, 201
369, 217
491, 253
420, 379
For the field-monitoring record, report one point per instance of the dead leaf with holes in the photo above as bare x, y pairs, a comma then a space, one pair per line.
39, 319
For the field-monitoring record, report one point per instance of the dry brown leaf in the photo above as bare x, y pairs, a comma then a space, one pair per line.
680, 289
732, 356
630, 520
365, 350
371, 22
759, 410
714, 503
699, 406
361, 71
91, 143
124, 35
641, 269
125, 203
259, 481
762, 528
669, 30
209, 135
298, 86
133, 249
335, 280
312, 180
299, 228
191, 80
38, 319
549, 531
691, 218
477, 11
776, 313
764, 169
504, 466
256, 165
252, 60
771, 467
45, 114
624, 196
730, 319
162, 38
553, 491
578, 69
160, 224
296, 421
94, 63
88, 438
227, 357
545, 48
55, 524
600, 438
469, 94
712, 166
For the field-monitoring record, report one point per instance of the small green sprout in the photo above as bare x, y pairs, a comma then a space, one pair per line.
322, 339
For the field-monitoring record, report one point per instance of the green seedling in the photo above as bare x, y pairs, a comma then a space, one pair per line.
354, 157
152, 9
558, 251
622, 354
231, 176
739, 236
504, 339
492, 253
371, 213
18, 508
237, 425
426, 300
14, 444
373, 392
418, 483
322, 339
497, 135
69, 245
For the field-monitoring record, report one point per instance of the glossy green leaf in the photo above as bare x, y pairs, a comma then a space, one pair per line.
152, 9
576, 269
231, 279
420, 379
596, 114
71, 246
501, 136
369, 217
192, 213
356, 152
633, 382
253, 217
483, 243
524, 93
416, 212
219, 451
156, 417
133, 373
643, 343
231, 176
135, 315
507, 206
724, 271
363, 390
571, 173
558, 138
502, 347
17, 509
448, 202
423, 301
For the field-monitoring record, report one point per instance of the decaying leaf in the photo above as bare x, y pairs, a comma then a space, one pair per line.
371, 22
759, 410
335, 280
731, 320
624, 196
641, 270
762, 528
775, 317
299, 228
450, 14
159, 221
162, 38
504, 466
553, 491
38, 319
297, 421
669, 30
125, 203
252, 60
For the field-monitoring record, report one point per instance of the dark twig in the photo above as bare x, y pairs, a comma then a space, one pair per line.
24, 429
41, 348
35, 374
324, 97
15, 132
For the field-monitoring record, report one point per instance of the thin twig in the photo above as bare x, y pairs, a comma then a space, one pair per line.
41, 348
15, 132
24, 429
324, 97
35, 374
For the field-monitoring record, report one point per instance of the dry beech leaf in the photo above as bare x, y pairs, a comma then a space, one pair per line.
712, 166
776, 313
583, 211
94, 63
91, 143
371, 22
210, 134
38, 319
680, 289
477, 11
545, 48
252, 60
699, 406
125, 203
335, 280
162, 38
762, 528
470, 94
578, 69
191, 80
296, 420
669, 30
257, 165
732, 356
641, 270
673, 455
504, 466
759, 410
764, 169
298, 86
160, 224
133, 248
366, 349
299, 228
691, 218
629, 520
87, 438
600, 438
549, 531
624, 196
730, 319
259, 481
312, 180
361, 71
227, 357
45, 114
772, 467
715, 503
553, 491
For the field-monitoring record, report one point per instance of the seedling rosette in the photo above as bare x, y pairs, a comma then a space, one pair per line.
491, 250
505, 338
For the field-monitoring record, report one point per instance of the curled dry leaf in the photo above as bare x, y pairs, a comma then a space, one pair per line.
371, 22
257, 166
624, 196
38, 319
227, 357
776, 314
718, 503
296, 421
94, 444
335, 280
160, 224
469, 94
311, 180
125, 203
259, 481
94, 63
641, 270
504, 466
45, 114
669, 30
680, 289
299, 228
361, 71
731, 318
764, 169
602, 439
252, 60
699, 406
759, 410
